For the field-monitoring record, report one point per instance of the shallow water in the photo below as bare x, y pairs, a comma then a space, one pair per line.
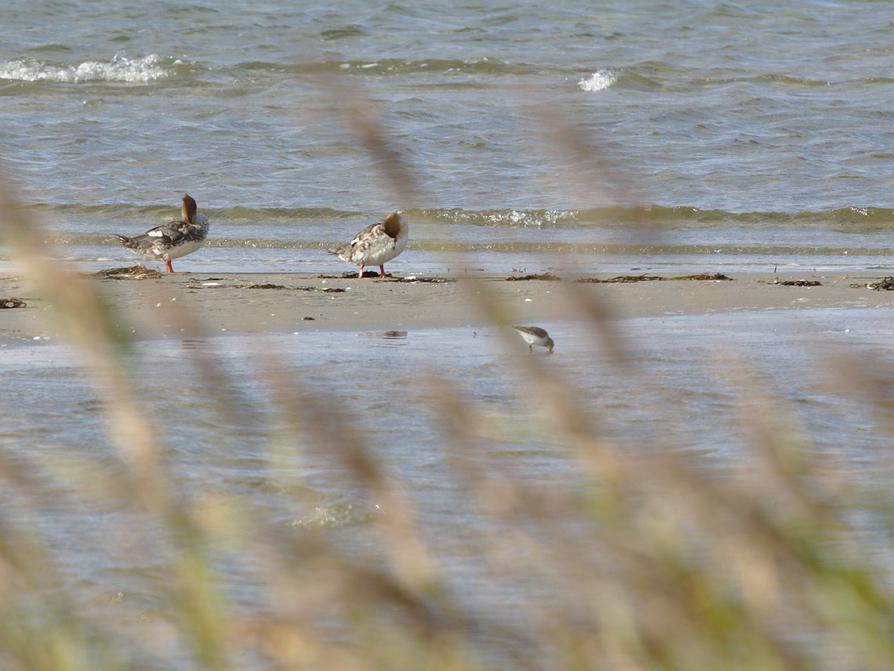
677, 398
734, 126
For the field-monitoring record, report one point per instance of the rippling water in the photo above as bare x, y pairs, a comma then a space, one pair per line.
759, 122
675, 398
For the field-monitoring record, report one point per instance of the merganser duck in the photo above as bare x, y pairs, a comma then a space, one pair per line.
376, 244
174, 239
534, 335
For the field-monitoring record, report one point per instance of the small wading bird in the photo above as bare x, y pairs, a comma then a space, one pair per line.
174, 239
376, 244
534, 335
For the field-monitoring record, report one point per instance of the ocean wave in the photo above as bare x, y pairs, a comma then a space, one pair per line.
509, 218
652, 245
850, 219
395, 66
657, 76
598, 81
120, 69
126, 211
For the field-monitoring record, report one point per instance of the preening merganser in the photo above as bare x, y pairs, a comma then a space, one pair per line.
174, 239
376, 244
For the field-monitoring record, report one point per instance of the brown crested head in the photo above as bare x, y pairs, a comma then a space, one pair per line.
392, 225
189, 209
549, 344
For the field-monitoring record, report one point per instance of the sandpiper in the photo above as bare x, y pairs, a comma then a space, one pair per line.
174, 239
534, 335
376, 244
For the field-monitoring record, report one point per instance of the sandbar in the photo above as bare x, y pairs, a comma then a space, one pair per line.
240, 303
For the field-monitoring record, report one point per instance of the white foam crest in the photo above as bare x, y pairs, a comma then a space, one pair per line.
598, 81
119, 69
517, 218
531, 219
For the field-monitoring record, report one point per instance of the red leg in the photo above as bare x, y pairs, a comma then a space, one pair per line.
382, 271
360, 274
170, 267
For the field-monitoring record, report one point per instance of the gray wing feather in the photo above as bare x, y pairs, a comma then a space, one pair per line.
533, 330
170, 234
370, 238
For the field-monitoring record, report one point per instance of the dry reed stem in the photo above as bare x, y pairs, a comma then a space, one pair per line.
88, 323
366, 125
333, 435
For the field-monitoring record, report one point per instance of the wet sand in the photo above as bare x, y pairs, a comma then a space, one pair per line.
286, 302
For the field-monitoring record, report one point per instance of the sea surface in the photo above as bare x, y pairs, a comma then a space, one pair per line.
705, 134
